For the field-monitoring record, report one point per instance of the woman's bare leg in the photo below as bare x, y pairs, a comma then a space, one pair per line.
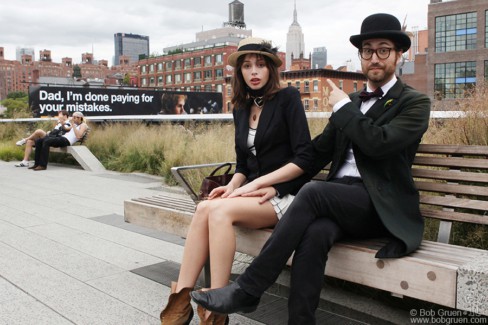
196, 248
223, 215
37, 134
28, 149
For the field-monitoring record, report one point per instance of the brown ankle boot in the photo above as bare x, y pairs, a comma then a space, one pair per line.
212, 319
178, 311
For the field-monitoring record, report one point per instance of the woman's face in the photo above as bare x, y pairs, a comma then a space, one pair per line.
255, 71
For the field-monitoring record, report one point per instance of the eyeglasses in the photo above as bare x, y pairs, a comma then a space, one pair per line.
382, 53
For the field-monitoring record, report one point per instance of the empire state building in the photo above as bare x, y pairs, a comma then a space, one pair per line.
295, 42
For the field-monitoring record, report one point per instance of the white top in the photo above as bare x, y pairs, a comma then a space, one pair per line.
71, 136
349, 167
250, 140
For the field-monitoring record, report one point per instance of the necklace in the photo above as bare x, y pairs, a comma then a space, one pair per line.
259, 102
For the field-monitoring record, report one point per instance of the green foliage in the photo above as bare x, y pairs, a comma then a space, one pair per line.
16, 95
76, 71
17, 106
9, 152
175, 51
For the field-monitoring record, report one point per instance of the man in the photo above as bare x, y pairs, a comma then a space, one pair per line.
72, 131
371, 140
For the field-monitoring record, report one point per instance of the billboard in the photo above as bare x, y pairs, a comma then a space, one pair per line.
47, 101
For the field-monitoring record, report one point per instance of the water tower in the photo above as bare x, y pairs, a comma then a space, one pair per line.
236, 15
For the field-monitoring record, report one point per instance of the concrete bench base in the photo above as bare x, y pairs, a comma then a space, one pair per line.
83, 156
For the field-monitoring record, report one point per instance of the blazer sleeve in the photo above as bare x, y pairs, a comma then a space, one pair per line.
299, 135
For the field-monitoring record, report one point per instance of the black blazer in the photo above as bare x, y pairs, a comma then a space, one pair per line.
384, 141
282, 136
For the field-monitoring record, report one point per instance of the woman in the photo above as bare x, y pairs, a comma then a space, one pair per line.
273, 148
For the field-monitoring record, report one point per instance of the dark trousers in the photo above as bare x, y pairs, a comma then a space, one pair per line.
42, 148
321, 214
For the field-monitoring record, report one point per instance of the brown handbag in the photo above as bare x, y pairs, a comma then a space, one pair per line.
213, 181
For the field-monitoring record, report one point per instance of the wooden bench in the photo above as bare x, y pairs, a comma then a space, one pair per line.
453, 182
82, 154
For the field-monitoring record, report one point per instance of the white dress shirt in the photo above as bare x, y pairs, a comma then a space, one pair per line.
349, 167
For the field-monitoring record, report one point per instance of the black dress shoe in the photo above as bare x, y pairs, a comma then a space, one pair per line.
32, 167
227, 300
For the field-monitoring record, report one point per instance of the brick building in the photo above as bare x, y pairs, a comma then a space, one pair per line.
198, 69
458, 47
314, 89
17, 76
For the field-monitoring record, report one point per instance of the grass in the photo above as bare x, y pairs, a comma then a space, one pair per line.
154, 149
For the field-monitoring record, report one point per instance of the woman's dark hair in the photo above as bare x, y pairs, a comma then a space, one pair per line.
240, 88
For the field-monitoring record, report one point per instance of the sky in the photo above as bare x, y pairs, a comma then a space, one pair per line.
69, 28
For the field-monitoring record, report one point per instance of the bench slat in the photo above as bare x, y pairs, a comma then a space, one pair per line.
471, 163
453, 202
453, 149
452, 188
454, 216
450, 175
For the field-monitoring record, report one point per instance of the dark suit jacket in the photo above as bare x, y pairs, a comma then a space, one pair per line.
384, 141
282, 137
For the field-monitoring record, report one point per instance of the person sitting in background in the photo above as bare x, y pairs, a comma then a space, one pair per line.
61, 127
77, 129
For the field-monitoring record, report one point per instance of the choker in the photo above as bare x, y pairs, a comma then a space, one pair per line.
259, 101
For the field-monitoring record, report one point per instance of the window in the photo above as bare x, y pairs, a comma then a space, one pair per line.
188, 77
218, 88
207, 60
197, 62
160, 67
315, 86
452, 80
355, 86
306, 104
486, 70
169, 66
307, 87
187, 63
486, 29
229, 91
219, 73
208, 74
219, 59
178, 65
341, 84
197, 75
160, 80
151, 81
289, 83
151, 68
178, 78
143, 69
456, 32
169, 79
297, 85
315, 104
208, 87
144, 82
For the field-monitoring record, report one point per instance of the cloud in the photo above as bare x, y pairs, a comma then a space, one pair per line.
70, 28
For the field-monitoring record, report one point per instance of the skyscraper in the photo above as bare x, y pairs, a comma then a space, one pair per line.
319, 57
132, 45
295, 41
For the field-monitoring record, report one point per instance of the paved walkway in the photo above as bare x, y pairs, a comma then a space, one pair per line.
60, 265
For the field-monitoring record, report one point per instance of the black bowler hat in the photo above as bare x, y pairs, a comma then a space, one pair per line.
382, 26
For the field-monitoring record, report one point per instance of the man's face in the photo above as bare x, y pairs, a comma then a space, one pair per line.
379, 69
62, 118
180, 104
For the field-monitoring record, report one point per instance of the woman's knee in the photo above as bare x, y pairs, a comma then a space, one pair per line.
201, 213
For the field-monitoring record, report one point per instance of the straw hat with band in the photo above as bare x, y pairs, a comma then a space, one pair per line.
382, 26
255, 45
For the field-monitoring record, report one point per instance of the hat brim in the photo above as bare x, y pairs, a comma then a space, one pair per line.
232, 60
397, 37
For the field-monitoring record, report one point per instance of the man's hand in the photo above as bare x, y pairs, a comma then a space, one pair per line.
336, 94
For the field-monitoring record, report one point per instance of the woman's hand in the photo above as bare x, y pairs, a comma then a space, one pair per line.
265, 193
221, 191
248, 188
